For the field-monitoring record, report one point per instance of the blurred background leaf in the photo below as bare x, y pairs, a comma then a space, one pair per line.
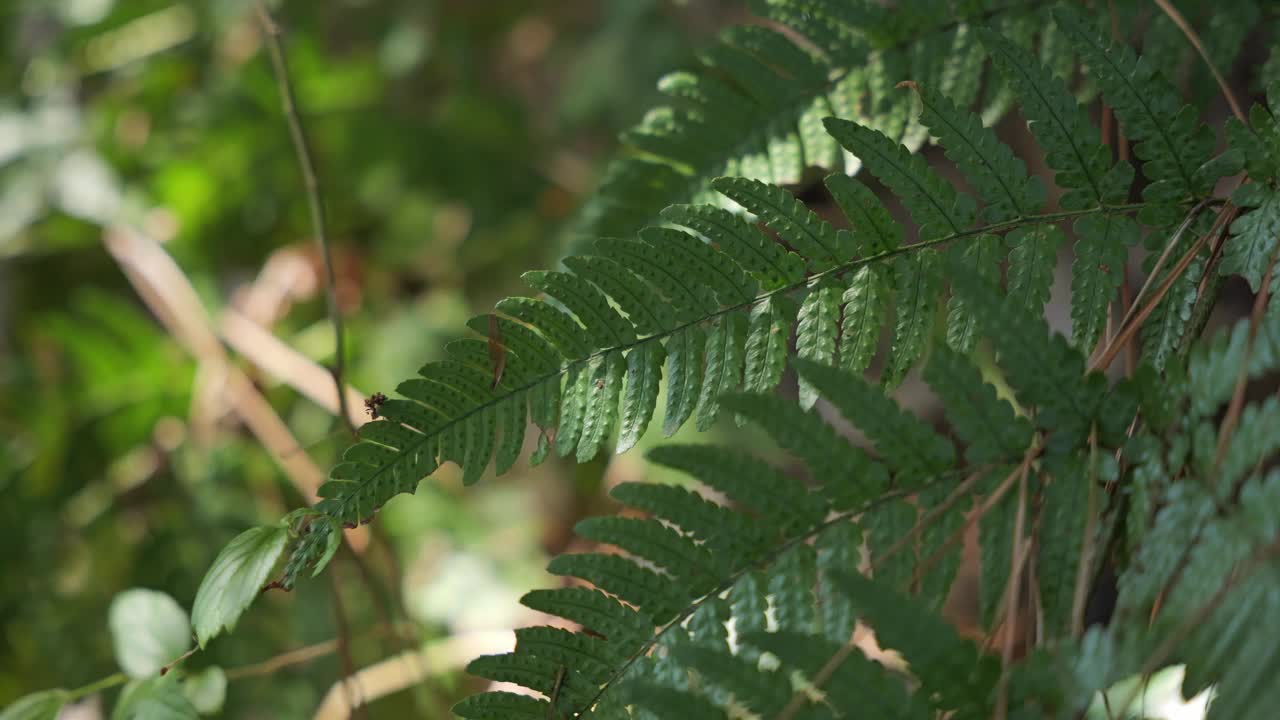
453, 140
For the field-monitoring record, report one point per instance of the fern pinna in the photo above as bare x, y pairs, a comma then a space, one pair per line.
716, 608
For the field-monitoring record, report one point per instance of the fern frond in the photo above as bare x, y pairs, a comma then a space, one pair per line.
1175, 147
816, 331
999, 177
956, 676
1254, 235
726, 360
706, 303
766, 94
934, 204
986, 423
1072, 144
684, 376
695, 566
1044, 370
905, 441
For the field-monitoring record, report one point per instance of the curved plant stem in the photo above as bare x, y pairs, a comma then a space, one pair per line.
1128, 330
109, 681
1194, 39
315, 202
352, 690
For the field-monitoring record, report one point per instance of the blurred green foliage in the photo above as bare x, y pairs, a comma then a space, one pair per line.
453, 139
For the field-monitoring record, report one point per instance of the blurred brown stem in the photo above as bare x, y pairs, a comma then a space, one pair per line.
315, 203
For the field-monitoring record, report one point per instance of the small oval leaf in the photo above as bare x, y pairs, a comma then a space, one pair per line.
148, 629
235, 579
206, 690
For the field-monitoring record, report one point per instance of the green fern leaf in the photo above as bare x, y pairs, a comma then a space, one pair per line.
767, 339
1101, 254
600, 408
1174, 146
561, 330
534, 354
857, 687
767, 261
502, 706
644, 307
664, 702
1259, 141
1063, 516
512, 415
884, 528
644, 375
778, 502
726, 356
999, 177
702, 264
1072, 144
685, 350
689, 564
1254, 234
919, 282
621, 577
909, 446
795, 224
792, 579
719, 528
933, 203
690, 298
848, 477
995, 543
1214, 366
573, 406
1031, 263
816, 331
592, 609
603, 324
532, 672
1253, 442
865, 306
874, 230
749, 602
951, 672
839, 549
937, 540
986, 423
1162, 333
1044, 370
982, 255
763, 693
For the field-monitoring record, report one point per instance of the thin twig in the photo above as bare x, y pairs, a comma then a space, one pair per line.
351, 689
172, 663
996, 496
929, 517
168, 293
315, 203
1127, 331
1013, 592
1081, 590
1194, 39
304, 654
1160, 261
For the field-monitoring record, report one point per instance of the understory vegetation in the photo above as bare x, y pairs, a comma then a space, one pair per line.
1057, 221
